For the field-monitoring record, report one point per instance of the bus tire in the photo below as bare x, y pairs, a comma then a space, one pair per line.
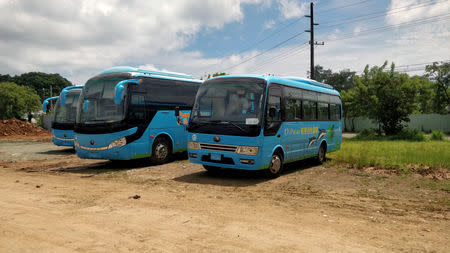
275, 166
321, 155
161, 150
211, 169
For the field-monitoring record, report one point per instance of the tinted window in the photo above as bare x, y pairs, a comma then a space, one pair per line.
292, 109
323, 97
292, 92
322, 111
335, 112
170, 92
310, 95
309, 110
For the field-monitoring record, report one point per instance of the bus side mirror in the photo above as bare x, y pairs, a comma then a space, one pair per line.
119, 90
177, 111
272, 112
44, 106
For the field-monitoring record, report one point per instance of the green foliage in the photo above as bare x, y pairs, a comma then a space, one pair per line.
387, 97
342, 80
388, 153
439, 74
437, 135
404, 134
209, 76
367, 134
16, 100
409, 135
39, 82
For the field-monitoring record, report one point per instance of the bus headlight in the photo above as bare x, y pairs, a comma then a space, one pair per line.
193, 145
247, 150
118, 143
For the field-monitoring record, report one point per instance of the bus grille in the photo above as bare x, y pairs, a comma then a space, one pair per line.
218, 147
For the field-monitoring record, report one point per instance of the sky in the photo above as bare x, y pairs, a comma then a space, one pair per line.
80, 38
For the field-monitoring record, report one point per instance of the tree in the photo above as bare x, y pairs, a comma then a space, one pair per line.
342, 80
389, 97
209, 76
16, 100
42, 83
439, 75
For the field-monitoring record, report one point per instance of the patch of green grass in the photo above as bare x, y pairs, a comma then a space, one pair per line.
389, 153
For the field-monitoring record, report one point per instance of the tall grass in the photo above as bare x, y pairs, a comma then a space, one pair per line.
392, 153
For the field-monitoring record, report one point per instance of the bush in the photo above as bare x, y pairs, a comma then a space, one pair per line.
367, 134
409, 135
437, 135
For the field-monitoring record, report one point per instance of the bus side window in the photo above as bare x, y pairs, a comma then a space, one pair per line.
274, 112
136, 110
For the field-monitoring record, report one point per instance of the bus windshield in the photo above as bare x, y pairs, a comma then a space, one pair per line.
228, 107
67, 113
97, 104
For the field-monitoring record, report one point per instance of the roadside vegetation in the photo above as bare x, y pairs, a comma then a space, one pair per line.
392, 153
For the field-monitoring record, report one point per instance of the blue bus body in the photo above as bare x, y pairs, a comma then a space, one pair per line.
128, 113
64, 115
291, 117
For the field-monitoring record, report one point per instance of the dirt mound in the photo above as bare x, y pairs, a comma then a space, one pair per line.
15, 127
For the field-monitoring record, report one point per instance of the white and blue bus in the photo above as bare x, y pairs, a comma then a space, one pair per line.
128, 113
252, 122
64, 115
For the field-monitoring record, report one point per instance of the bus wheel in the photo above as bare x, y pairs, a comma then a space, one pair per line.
275, 166
211, 169
321, 155
161, 151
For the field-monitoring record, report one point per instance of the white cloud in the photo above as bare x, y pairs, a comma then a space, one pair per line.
79, 38
292, 8
269, 24
400, 11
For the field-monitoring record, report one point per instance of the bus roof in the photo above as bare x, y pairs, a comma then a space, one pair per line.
299, 82
121, 69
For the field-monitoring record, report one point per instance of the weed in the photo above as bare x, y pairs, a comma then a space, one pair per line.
437, 135
387, 153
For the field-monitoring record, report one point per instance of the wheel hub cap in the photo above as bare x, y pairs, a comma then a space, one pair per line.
161, 151
275, 164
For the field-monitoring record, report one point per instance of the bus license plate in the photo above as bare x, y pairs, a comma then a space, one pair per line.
215, 157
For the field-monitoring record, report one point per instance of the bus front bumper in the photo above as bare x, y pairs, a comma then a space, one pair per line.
225, 159
62, 137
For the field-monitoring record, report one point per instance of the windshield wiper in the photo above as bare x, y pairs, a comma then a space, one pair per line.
229, 122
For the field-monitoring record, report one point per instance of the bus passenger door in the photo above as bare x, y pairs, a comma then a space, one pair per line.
273, 120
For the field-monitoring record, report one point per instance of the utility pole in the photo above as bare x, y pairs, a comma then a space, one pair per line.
312, 43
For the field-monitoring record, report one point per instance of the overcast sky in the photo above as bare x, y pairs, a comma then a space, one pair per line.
80, 38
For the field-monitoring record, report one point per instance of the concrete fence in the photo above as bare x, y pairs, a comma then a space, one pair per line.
424, 122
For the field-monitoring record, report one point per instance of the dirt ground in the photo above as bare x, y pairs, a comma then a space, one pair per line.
52, 201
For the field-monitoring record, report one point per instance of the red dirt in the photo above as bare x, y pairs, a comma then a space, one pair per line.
17, 129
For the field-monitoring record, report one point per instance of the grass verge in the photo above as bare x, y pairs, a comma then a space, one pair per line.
364, 153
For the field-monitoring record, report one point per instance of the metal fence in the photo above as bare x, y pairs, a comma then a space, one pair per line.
424, 122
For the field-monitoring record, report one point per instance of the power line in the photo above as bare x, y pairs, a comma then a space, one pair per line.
344, 6
390, 27
280, 57
277, 31
384, 13
265, 51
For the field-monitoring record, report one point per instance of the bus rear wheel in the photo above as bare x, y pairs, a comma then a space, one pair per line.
161, 151
275, 166
321, 155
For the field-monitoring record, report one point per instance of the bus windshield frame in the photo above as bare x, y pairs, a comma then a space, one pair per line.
232, 106
67, 114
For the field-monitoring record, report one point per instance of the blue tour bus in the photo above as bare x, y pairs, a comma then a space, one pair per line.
253, 122
64, 115
128, 113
